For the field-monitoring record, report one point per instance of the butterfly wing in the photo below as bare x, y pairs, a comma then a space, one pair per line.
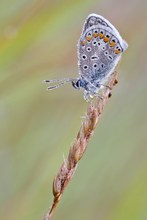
98, 20
99, 48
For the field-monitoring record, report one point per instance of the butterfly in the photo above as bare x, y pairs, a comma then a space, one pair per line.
100, 48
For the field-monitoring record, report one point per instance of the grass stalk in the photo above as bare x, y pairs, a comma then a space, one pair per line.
77, 150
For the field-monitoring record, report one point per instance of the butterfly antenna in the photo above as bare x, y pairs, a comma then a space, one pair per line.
56, 86
58, 80
61, 82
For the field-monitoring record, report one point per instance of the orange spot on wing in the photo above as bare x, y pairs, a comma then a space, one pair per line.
83, 43
95, 34
101, 35
89, 38
117, 51
106, 39
112, 44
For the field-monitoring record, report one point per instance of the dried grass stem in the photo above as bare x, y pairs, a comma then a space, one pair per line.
76, 152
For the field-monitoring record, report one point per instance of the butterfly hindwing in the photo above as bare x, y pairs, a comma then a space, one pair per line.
100, 45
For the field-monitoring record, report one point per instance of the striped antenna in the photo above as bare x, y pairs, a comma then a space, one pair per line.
61, 82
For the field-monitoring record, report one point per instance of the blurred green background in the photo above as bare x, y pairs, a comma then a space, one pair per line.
38, 41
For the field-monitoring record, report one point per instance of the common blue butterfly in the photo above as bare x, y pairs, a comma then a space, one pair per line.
100, 48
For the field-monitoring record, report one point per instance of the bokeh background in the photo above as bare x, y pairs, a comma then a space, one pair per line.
38, 41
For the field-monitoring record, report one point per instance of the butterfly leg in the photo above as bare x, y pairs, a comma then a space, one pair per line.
98, 96
86, 95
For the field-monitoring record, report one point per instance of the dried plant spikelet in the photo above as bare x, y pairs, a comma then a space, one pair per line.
56, 186
76, 151
70, 163
83, 146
